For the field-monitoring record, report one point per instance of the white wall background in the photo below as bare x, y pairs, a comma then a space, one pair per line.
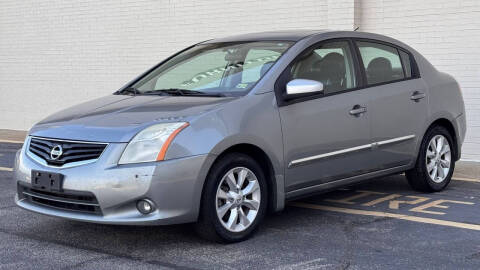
54, 54
447, 33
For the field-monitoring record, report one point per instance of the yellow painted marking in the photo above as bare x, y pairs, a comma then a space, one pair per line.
462, 179
6, 169
461, 225
349, 200
396, 204
436, 204
383, 199
10, 141
466, 179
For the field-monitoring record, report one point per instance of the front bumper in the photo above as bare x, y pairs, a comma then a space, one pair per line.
174, 186
461, 129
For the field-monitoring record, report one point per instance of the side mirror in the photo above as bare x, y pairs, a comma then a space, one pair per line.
303, 86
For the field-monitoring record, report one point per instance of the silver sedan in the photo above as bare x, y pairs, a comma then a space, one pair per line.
228, 129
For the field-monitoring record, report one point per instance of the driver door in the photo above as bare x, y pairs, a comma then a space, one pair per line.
327, 135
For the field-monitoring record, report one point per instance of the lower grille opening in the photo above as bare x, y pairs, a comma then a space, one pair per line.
84, 202
81, 198
64, 205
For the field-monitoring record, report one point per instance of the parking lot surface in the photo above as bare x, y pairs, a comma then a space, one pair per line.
381, 224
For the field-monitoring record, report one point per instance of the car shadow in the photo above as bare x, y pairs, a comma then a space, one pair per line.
139, 241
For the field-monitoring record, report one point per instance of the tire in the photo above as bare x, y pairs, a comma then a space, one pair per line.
241, 219
420, 177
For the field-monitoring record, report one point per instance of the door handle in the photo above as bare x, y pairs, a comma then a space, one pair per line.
357, 110
416, 96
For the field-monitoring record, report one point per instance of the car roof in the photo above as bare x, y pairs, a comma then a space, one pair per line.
286, 35
296, 35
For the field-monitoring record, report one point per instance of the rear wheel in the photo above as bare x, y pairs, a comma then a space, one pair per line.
435, 163
234, 199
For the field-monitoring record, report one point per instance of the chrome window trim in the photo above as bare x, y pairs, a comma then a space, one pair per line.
67, 165
301, 161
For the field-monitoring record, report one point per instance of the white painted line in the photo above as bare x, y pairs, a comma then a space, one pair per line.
10, 141
447, 223
466, 179
6, 169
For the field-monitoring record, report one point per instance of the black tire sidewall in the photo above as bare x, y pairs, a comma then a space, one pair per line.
438, 130
216, 174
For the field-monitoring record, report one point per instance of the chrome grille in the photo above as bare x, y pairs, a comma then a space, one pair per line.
71, 151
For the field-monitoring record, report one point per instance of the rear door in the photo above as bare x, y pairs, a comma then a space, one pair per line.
398, 106
326, 136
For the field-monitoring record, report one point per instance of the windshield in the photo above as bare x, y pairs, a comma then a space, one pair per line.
226, 69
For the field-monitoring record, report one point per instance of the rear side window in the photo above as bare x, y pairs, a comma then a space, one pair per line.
382, 63
407, 64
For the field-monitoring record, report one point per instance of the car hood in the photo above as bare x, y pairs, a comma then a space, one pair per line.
117, 118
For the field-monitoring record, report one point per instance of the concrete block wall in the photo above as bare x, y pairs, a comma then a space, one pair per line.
54, 54
447, 33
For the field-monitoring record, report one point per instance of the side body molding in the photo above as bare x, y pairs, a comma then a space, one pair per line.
299, 162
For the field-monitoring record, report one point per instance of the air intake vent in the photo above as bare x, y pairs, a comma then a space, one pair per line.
79, 201
60, 152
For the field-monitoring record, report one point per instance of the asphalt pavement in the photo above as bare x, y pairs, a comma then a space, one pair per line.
381, 224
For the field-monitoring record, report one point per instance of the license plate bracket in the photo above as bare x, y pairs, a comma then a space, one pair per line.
47, 181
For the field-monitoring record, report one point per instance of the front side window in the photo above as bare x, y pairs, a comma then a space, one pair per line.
219, 68
330, 63
381, 62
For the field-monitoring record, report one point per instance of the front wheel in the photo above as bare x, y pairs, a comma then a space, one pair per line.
234, 199
435, 164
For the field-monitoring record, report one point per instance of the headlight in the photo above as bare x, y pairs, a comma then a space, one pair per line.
151, 144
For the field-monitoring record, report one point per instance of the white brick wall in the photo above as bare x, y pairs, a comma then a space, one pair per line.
54, 54
446, 32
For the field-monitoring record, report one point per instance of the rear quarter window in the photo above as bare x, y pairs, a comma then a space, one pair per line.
407, 64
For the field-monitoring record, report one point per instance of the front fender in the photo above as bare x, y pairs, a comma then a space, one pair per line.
252, 119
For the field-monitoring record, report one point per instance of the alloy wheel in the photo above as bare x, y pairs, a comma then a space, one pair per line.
238, 199
438, 158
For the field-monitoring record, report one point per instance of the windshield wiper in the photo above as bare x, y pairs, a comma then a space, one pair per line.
170, 91
128, 90
183, 92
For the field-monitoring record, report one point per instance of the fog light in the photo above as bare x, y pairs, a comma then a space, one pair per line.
145, 206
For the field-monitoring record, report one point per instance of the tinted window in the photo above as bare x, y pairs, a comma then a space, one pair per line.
407, 66
382, 63
330, 63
